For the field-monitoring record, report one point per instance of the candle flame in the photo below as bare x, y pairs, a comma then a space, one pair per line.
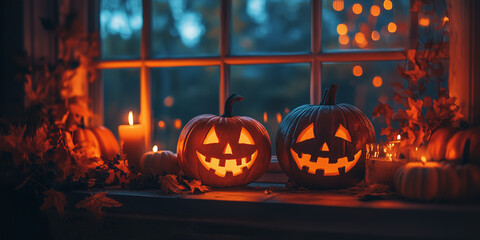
130, 118
423, 159
155, 148
399, 137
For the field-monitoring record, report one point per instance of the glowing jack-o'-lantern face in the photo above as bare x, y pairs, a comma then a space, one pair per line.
229, 159
224, 150
323, 164
323, 146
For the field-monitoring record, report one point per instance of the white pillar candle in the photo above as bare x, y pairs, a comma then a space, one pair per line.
132, 141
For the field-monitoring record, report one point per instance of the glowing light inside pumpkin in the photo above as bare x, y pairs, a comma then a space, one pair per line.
338, 5
357, 71
424, 22
155, 148
325, 147
387, 4
392, 27
342, 29
375, 10
228, 149
342, 132
130, 118
375, 35
211, 137
306, 134
357, 8
245, 137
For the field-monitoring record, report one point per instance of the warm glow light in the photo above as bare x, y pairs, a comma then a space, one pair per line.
338, 5
424, 21
155, 148
279, 117
161, 124
265, 117
375, 10
360, 39
342, 29
445, 19
375, 35
392, 27
377, 81
343, 39
177, 123
357, 71
399, 137
287, 110
387, 4
130, 118
423, 159
168, 101
357, 8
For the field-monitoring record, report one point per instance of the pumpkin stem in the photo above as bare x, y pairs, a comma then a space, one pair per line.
466, 152
227, 110
329, 96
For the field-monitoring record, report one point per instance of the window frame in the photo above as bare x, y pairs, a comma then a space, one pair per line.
315, 58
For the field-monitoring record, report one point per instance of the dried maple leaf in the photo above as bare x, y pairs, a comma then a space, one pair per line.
170, 184
96, 202
54, 199
196, 185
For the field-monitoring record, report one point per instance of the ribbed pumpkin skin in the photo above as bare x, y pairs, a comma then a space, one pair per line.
415, 182
228, 131
326, 120
437, 146
454, 147
159, 162
101, 140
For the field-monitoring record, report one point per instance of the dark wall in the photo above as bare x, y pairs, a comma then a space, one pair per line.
11, 47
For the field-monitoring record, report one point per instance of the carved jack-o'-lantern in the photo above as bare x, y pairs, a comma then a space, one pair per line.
226, 150
324, 145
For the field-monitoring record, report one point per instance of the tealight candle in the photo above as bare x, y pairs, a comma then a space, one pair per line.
132, 141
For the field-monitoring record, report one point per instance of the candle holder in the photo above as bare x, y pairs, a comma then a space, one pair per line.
382, 161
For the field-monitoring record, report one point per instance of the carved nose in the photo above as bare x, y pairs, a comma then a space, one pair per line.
325, 147
228, 149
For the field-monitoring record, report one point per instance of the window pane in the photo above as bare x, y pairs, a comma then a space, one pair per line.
363, 84
261, 26
120, 28
182, 28
178, 95
353, 24
121, 94
270, 92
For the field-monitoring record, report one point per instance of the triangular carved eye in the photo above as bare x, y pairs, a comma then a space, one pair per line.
342, 132
306, 134
211, 137
245, 137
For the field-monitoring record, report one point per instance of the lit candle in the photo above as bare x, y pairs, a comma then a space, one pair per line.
132, 141
382, 163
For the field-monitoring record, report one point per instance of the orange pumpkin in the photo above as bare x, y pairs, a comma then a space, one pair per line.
159, 162
99, 141
448, 144
437, 146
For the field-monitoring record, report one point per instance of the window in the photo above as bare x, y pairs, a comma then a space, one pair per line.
170, 60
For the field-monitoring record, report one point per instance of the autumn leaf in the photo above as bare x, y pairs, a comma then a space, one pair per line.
170, 184
386, 111
54, 199
96, 202
196, 185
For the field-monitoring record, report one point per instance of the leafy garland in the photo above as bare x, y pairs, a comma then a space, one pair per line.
37, 152
421, 114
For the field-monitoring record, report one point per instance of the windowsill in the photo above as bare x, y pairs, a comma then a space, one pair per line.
248, 211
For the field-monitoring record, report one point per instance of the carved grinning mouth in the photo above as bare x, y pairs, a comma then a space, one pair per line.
329, 169
235, 166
